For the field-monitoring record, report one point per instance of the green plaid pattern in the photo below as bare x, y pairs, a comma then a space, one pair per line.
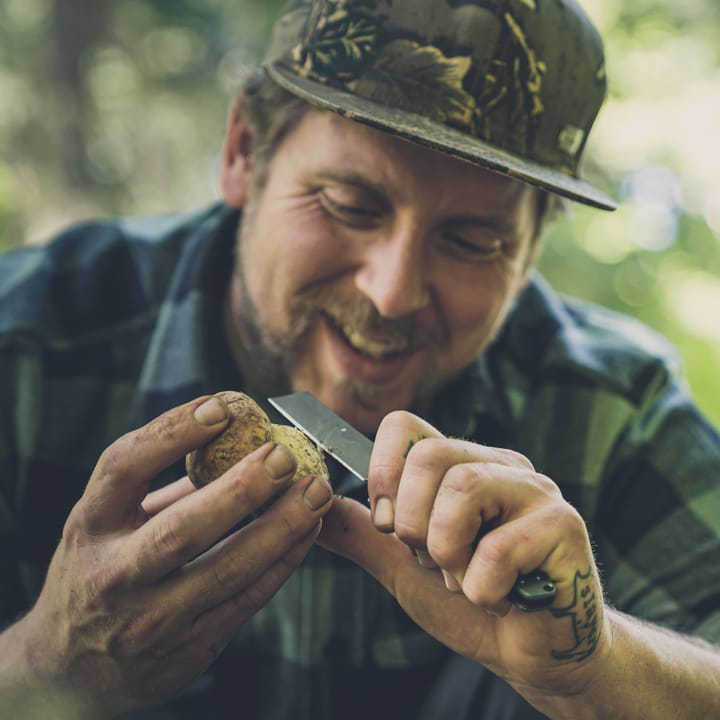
114, 322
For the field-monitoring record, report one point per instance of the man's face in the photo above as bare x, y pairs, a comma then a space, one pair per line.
370, 270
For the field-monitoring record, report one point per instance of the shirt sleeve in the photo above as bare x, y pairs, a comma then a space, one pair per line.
657, 518
13, 600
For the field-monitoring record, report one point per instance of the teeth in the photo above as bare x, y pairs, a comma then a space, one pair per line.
373, 348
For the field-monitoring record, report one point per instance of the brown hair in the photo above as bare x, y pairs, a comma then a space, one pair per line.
270, 113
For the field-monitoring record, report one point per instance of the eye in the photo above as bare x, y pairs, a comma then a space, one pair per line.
355, 214
476, 247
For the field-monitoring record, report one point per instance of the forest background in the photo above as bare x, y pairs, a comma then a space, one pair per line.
119, 108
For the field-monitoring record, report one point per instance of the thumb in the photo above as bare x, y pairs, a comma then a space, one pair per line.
122, 476
347, 530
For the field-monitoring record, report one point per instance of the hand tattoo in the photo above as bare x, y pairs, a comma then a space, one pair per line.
583, 611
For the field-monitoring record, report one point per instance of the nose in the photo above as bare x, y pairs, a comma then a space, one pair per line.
393, 274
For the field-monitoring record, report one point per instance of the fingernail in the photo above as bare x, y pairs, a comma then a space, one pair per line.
211, 412
424, 559
384, 515
317, 494
451, 583
279, 462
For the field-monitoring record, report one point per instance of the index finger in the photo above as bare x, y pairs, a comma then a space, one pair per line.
199, 519
162, 498
408, 464
398, 432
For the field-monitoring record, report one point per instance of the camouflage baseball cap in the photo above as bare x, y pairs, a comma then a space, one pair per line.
511, 85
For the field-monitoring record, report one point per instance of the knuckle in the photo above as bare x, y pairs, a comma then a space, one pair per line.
478, 589
101, 571
440, 551
226, 574
102, 585
173, 420
292, 518
74, 529
254, 596
482, 595
490, 560
113, 578
464, 478
568, 521
494, 551
409, 533
167, 539
395, 419
547, 485
163, 429
424, 452
113, 458
239, 488
277, 529
247, 483
517, 459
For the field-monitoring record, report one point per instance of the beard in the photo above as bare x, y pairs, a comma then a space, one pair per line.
269, 357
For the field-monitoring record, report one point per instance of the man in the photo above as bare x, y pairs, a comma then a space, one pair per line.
394, 280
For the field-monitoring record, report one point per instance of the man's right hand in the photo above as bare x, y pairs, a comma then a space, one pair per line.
144, 591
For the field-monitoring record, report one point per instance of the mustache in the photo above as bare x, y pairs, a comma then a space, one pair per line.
360, 315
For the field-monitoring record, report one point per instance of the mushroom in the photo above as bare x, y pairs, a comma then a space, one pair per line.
248, 429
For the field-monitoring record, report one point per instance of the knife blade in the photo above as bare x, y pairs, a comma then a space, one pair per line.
532, 592
328, 430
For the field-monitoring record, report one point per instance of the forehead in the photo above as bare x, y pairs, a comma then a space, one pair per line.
326, 142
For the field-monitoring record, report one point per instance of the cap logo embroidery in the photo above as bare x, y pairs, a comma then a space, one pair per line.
571, 139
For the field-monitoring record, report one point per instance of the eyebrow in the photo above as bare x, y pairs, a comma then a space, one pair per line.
354, 179
380, 194
493, 222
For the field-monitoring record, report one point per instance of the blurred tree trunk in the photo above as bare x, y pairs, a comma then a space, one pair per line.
75, 32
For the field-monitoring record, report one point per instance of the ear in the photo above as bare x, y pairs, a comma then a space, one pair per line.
235, 167
526, 278
530, 265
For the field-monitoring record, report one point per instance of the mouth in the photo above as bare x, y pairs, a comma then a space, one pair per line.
373, 348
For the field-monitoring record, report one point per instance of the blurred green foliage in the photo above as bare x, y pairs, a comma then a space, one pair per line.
119, 108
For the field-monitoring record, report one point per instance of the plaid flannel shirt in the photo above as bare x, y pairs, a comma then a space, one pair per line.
115, 322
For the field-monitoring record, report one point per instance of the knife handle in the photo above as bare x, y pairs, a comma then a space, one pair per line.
533, 592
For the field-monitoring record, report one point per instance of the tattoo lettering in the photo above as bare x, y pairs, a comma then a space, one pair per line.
584, 614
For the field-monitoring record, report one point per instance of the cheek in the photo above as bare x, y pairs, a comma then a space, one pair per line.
297, 227
476, 306
286, 249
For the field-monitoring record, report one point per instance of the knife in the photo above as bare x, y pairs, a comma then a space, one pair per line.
532, 592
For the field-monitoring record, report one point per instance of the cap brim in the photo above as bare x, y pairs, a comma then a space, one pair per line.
419, 129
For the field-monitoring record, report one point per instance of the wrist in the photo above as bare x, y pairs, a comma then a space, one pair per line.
583, 692
31, 688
